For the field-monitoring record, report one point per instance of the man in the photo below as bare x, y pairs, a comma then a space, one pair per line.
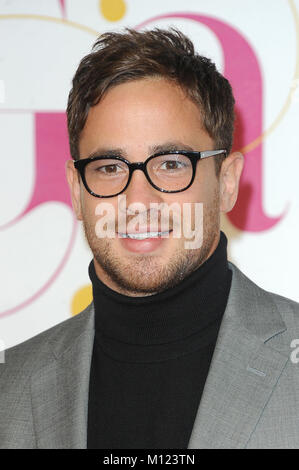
179, 349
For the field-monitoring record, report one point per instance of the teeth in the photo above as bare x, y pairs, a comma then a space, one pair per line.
141, 236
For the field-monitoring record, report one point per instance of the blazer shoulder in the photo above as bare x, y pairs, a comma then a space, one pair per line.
260, 298
288, 308
45, 346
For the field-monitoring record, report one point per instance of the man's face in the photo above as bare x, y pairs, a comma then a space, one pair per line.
135, 117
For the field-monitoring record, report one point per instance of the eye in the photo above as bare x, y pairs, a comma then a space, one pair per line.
172, 165
109, 169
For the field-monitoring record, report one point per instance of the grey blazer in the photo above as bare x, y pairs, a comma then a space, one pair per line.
250, 399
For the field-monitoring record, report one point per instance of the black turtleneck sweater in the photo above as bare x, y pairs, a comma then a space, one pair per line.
151, 357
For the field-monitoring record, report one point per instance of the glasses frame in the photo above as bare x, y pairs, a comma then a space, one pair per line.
193, 156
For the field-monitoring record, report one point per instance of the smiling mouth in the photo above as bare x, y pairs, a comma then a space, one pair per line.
144, 235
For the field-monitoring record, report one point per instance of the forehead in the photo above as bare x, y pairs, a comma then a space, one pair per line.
142, 113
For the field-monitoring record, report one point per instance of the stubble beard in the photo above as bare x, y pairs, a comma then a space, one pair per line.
143, 275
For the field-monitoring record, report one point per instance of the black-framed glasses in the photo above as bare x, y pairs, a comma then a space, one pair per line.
168, 171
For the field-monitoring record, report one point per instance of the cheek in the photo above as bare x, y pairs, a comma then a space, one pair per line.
101, 216
203, 199
198, 192
205, 190
89, 207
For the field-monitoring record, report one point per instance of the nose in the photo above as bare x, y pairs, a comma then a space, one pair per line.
140, 190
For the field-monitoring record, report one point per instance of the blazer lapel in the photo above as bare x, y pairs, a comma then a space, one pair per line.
60, 389
244, 368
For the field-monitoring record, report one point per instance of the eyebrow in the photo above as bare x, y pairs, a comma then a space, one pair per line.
152, 149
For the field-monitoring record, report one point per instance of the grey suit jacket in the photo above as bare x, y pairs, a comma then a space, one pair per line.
250, 399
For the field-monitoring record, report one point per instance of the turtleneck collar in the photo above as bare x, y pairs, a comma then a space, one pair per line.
167, 324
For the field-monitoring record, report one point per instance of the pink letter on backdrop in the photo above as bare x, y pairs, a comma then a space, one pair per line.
51, 152
242, 70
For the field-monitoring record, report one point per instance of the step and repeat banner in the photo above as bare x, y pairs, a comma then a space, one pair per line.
43, 253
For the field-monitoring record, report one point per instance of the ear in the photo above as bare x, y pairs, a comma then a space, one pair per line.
230, 174
74, 184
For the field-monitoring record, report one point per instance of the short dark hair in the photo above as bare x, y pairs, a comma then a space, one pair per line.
119, 57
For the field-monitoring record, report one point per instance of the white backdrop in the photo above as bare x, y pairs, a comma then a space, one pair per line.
44, 257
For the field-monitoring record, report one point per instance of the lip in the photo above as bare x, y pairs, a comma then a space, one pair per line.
143, 245
121, 234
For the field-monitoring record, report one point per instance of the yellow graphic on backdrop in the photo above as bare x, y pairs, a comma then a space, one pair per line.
81, 299
112, 10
